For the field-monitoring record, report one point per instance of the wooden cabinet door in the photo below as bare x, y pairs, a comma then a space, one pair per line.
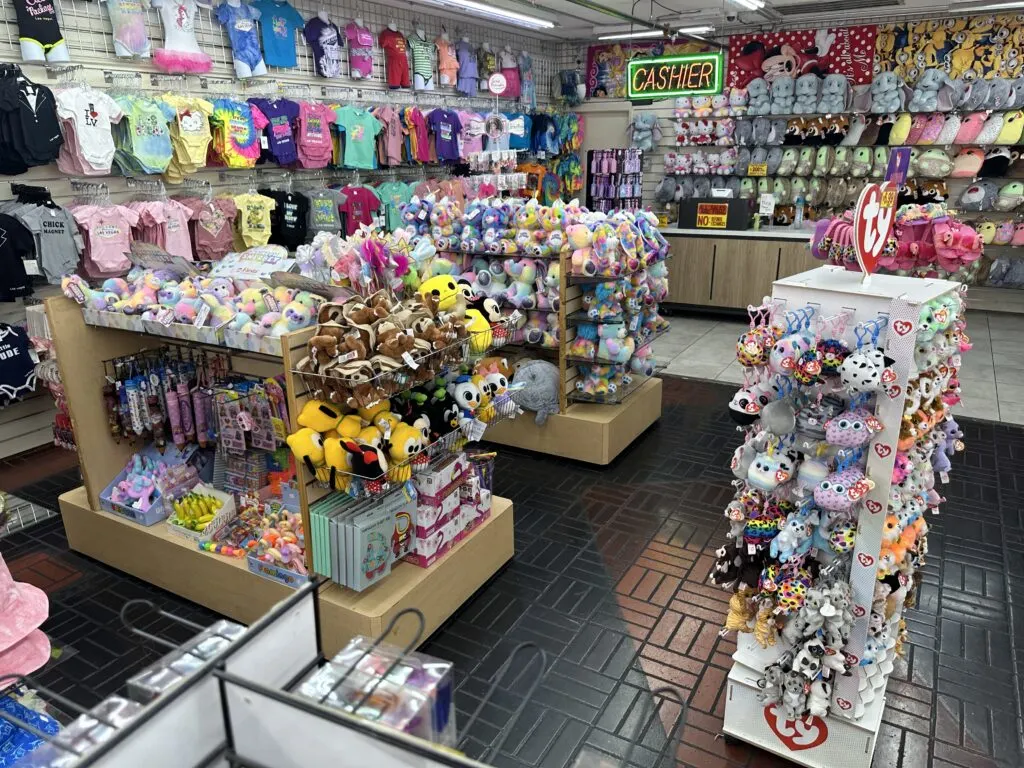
795, 258
744, 271
689, 270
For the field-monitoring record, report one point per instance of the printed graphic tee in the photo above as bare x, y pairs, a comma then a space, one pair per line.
395, 57
281, 116
325, 40
323, 210
17, 368
58, 244
16, 244
360, 49
361, 129
446, 127
278, 23
359, 207
392, 194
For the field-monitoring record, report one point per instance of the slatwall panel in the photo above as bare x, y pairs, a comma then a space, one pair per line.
86, 27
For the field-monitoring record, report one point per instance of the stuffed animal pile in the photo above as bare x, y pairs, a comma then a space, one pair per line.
161, 296
808, 409
366, 448
368, 349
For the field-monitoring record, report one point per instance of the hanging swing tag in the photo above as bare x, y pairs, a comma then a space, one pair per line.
201, 315
751, 549
410, 361
165, 316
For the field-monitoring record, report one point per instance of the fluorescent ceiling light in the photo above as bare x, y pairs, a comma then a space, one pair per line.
988, 7
700, 30
750, 5
631, 35
490, 12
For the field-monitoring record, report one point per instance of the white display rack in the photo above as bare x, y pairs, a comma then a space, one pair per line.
847, 736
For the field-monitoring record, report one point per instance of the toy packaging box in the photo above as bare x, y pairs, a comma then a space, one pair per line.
417, 696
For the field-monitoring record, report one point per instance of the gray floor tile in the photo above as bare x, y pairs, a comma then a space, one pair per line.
978, 389
733, 373
710, 350
1012, 411
979, 409
698, 369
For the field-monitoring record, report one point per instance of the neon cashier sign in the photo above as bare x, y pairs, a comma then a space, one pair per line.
685, 74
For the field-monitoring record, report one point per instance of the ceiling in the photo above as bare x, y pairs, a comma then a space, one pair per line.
586, 19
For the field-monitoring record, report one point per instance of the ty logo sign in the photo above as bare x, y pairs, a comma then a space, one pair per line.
872, 223
796, 734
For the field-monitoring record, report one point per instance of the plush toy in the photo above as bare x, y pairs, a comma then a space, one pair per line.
807, 88
933, 89
739, 98
539, 393
759, 97
783, 95
521, 293
644, 132
835, 94
614, 343
702, 106
887, 93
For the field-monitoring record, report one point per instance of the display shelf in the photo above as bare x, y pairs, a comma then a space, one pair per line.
610, 398
225, 585
588, 432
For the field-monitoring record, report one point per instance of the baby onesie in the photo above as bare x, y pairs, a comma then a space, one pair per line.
314, 134
325, 40
447, 63
237, 127
190, 132
145, 136
39, 34
181, 53
281, 116
108, 236
58, 244
239, 19
422, 62
360, 50
323, 210
213, 229
254, 218
128, 21
91, 112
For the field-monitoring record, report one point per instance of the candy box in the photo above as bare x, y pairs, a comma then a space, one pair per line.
416, 697
432, 515
429, 549
439, 477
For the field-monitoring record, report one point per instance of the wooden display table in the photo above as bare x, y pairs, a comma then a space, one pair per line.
224, 584
586, 432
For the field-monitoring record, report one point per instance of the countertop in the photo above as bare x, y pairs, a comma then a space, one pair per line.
760, 234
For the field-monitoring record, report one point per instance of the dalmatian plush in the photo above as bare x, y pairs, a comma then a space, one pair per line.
796, 628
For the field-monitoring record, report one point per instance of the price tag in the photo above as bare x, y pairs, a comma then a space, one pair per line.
347, 356
410, 361
514, 317
165, 316
31, 267
473, 214
757, 169
422, 214
751, 549
766, 204
271, 303
201, 315
264, 144
76, 292
473, 429
634, 323
378, 221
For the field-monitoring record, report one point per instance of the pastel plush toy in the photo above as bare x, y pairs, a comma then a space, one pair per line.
702, 106
720, 105
604, 301
521, 293
759, 97
835, 94
738, 101
416, 214
644, 132
683, 107
887, 93
807, 87
614, 343
580, 239
933, 87
783, 92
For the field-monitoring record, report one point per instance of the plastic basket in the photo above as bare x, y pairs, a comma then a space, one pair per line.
223, 517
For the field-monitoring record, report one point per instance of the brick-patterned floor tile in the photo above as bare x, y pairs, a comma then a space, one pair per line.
611, 578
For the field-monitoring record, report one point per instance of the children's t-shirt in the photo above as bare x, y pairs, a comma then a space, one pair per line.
254, 218
314, 134
16, 244
394, 132
325, 40
360, 49
177, 241
278, 22
392, 194
518, 130
361, 129
290, 222
323, 210
92, 112
418, 125
359, 207
58, 244
281, 116
446, 127
472, 133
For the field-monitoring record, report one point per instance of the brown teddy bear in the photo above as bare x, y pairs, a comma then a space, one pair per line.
358, 313
393, 342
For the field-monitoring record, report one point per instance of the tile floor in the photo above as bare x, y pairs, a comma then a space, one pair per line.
609, 577
992, 377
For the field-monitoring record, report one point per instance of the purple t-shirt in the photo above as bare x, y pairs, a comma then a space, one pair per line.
280, 131
446, 127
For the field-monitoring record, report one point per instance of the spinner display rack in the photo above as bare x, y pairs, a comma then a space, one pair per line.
225, 584
241, 705
847, 735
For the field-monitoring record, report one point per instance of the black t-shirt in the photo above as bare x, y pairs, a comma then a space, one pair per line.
17, 369
289, 220
16, 243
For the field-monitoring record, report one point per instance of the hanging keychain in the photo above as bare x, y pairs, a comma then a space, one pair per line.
188, 426
113, 413
174, 417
